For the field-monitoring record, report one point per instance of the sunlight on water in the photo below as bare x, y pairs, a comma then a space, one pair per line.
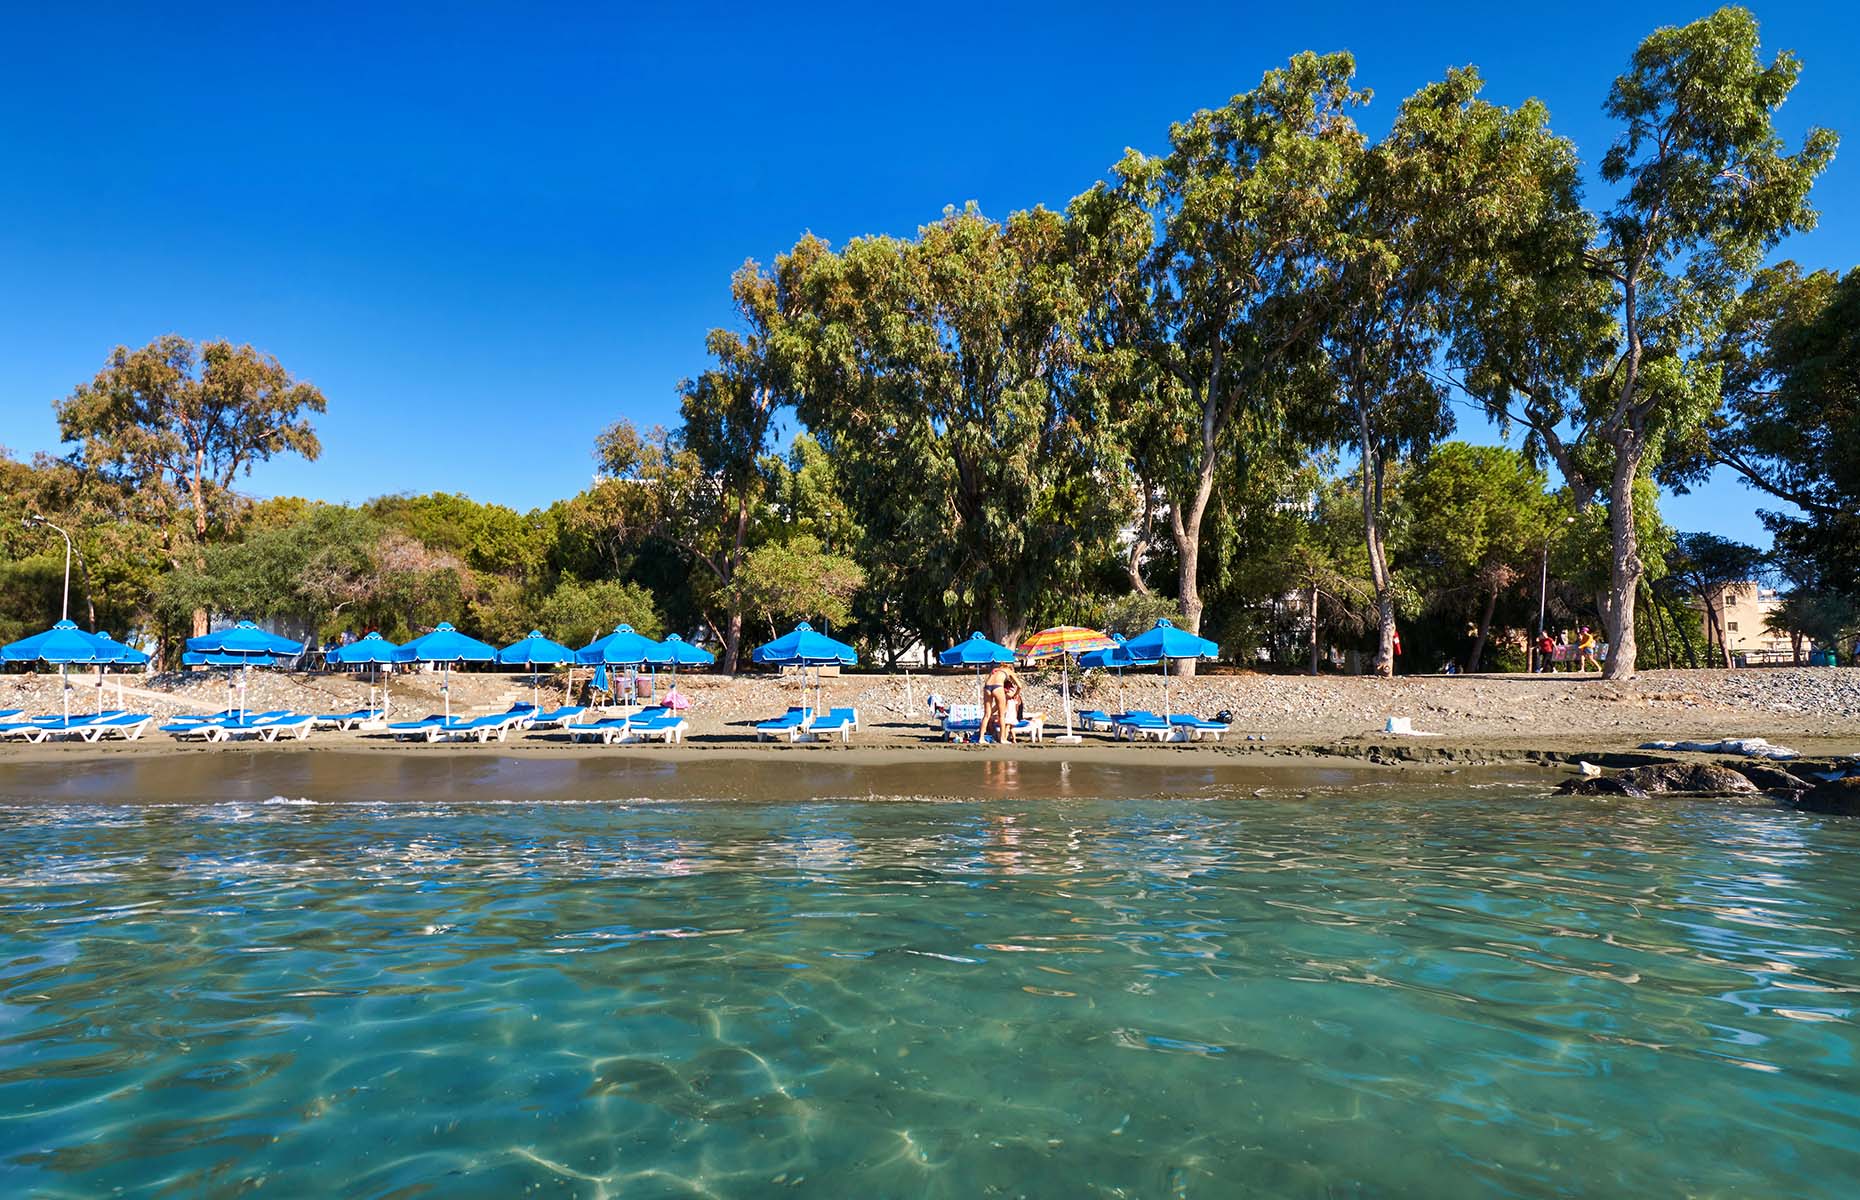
1436, 995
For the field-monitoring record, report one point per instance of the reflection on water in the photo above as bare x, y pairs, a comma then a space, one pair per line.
1440, 994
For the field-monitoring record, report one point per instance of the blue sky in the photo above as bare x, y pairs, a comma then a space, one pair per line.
479, 228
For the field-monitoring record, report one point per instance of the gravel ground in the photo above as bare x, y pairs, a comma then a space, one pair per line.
1554, 712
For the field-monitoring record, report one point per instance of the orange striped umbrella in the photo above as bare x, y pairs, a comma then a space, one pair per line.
1064, 639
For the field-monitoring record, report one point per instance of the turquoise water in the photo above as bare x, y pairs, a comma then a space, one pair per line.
1489, 993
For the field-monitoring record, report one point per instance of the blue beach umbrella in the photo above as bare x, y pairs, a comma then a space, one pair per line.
978, 652
64, 644
1115, 658
535, 650
118, 655
805, 648
1163, 642
243, 645
624, 647
447, 647
370, 650
680, 653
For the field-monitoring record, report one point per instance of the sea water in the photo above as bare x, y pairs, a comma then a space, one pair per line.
1442, 991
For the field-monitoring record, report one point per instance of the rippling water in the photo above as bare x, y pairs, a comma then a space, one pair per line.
1441, 995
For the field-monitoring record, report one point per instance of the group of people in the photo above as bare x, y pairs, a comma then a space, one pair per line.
1549, 648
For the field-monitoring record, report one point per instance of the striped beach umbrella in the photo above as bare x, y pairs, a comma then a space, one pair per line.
1063, 641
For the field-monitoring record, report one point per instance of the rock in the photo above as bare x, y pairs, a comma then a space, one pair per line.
1838, 796
1771, 779
1607, 785
1688, 779
1663, 779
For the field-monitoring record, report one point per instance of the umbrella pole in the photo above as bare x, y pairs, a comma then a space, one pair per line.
1065, 691
64, 689
445, 688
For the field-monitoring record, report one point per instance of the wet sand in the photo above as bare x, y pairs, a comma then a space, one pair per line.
496, 774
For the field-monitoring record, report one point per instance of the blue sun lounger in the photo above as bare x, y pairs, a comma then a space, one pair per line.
348, 720
1141, 724
58, 727
28, 730
1097, 720
606, 729
1197, 727
217, 728
842, 721
557, 718
7, 714
962, 721
667, 727
269, 727
790, 724
405, 731
126, 725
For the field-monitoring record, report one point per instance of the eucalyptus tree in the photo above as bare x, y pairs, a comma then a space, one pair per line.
1601, 354
939, 375
1455, 175
729, 423
1212, 334
174, 424
1478, 519
1790, 426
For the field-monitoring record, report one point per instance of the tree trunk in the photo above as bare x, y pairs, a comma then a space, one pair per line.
1658, 620
1485, 628
1378, 554
1624, 568
1685, 639
1314, 629
732, 641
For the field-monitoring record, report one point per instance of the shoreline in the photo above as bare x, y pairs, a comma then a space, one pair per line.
379, 770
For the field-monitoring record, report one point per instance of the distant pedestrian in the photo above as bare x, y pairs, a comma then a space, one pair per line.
1546, 652
1586, 645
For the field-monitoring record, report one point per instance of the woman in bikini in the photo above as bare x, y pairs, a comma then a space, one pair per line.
995, 702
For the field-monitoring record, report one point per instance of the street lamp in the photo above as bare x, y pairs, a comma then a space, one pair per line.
1543, 582
33, 519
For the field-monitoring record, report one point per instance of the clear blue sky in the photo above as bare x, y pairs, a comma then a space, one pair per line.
505, 225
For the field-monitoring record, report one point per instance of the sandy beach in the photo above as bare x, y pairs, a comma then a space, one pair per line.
1288, 732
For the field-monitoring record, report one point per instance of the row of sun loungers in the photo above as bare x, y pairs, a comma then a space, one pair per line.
800, 723
1139, 725
231, 726
91, 726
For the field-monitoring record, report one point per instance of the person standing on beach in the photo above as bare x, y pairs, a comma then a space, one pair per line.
995, 701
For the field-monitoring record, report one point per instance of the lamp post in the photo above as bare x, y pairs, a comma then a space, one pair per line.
1543, 582
35, 519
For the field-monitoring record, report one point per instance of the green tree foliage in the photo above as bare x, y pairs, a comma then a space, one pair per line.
174, 424
937, 373
1607, 372
576, 612
781, 582
1454, 178
1478, 518
1209, 340
1790, 354
729, 421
